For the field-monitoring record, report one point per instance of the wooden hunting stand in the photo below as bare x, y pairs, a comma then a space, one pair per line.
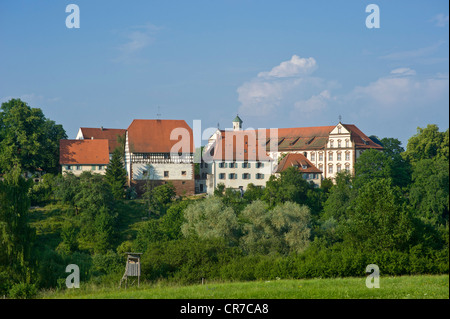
133, 268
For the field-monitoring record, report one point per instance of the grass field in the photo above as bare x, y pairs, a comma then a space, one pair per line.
404, 287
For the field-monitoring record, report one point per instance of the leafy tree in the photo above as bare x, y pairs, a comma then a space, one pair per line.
400, 168
159, 198
103, 231
16, 236
253, 193
280, 230
290, 186
116, 175
372, 164
210, 218
28, 139
339, 198
378, 218
428, 143
69, 243
429, 191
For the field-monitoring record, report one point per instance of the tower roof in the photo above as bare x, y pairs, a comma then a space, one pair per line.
237, 119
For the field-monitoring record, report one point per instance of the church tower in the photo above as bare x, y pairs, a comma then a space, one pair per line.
237, 123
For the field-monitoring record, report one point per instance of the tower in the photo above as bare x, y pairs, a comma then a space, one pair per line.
237, 123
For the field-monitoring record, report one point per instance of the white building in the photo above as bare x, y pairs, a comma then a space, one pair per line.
228, 157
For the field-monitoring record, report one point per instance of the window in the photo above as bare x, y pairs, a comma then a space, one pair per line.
144, 172
339, 143
204, 176
320, 157
331, 143
304, 166
246, 176
68, 167
330, 169
259, 165
100, 167
339, 157
166, 173
259, 176
313, 156
246, 165
339, 130
347, 143
222, 176
183, 173
93, 167
321, 167
347, 168
330, 156
223, 165
232, 176
79, 167
338, 168
347, 156
305, 176
232, 165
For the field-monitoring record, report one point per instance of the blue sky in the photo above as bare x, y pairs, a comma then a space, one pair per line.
275, 63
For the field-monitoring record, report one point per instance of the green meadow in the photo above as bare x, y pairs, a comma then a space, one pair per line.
402, 287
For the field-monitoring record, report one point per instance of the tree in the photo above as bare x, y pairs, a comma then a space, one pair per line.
210, 218
378, 218
400, 168
159, 198
28, 139
290, 186
428, 143
372, 164
429, 191
339, 198
116, 175
16, 235
283, 229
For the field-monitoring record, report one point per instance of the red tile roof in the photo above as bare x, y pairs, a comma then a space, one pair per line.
240, 145
111, 134
83, 152
313, 138
298, 160
360, 139
154, 136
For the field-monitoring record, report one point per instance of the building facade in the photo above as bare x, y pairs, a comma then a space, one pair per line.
158, 152
322, 152
77, 156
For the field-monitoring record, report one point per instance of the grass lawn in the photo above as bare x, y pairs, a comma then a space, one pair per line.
404, 287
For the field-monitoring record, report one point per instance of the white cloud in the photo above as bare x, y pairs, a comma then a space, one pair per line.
315, 103
413, 54
403, 89
278, 90
403, 72
440, 20
296, 66
137, 38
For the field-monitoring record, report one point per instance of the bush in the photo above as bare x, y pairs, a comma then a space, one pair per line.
23, 291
